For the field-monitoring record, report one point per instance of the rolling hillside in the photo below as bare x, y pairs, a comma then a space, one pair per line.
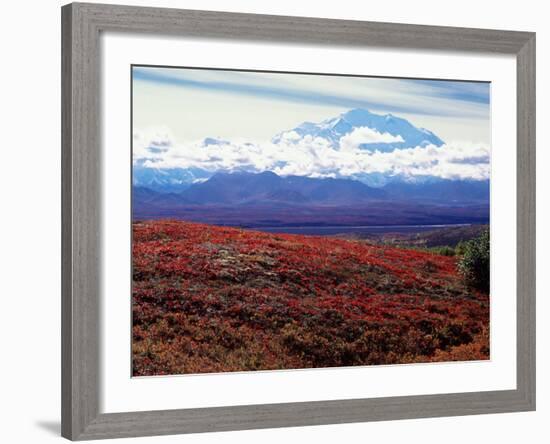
212, 299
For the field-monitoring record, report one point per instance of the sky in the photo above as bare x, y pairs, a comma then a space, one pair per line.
175, 109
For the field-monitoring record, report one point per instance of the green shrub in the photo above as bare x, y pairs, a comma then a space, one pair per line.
460, 248
474, 264
444, 250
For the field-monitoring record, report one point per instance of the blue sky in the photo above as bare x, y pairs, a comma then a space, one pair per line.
238, 83
176, 109
477, 92
197, 99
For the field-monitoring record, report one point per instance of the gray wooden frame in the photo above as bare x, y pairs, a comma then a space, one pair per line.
81, 232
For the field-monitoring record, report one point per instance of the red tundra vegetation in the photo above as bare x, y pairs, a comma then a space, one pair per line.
216, 299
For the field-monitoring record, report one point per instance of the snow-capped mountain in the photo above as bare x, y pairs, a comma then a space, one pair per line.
384, 133
358, 130
167, 179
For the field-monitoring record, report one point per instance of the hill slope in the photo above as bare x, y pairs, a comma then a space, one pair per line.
211, 299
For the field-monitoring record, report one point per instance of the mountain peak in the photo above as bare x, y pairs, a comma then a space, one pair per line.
356, 112
333, 129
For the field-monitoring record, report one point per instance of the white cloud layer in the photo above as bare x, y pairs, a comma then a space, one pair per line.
364, 134
314, 156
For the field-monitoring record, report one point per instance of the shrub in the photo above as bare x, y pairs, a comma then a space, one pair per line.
216, 299
460, 248
444, 250
474, 264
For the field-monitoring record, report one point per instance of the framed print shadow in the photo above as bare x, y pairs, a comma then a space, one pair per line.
288, 222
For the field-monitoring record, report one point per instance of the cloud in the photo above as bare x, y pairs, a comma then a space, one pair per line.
465, 91
152, 143
366, 135
422, 97
316, 156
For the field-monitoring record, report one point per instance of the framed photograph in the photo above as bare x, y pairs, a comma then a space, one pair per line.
278, 221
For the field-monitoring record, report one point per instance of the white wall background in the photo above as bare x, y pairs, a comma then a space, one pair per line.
30, 221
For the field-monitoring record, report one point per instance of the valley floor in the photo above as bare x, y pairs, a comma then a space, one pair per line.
216, 299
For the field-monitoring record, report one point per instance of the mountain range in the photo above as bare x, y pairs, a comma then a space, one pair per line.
393, 133
250, 188
266, 199
252, 198
269, 189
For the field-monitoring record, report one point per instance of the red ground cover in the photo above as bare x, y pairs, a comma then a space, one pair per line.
214, 299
